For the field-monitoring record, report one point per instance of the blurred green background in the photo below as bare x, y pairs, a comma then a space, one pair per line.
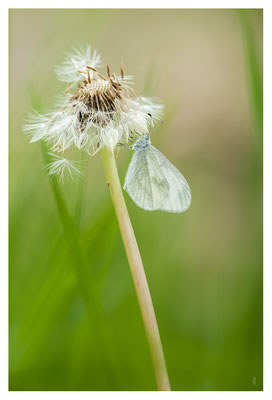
75, 323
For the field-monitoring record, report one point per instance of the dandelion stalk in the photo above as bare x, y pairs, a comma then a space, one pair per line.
137, 270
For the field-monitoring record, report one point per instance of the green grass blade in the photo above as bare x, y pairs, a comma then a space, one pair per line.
254, 71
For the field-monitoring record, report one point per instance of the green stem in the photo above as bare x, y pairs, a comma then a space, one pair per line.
137, 271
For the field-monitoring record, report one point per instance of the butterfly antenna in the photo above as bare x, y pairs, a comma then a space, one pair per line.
157, 127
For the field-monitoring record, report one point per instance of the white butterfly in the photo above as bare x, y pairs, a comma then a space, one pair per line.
153, 182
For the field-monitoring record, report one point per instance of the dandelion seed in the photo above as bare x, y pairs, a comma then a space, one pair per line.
36, 126
62, 166
77, 60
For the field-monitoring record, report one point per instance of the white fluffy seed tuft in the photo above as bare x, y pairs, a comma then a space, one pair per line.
68, 71
63, 167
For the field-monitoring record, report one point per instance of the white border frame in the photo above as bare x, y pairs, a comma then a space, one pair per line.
266, 5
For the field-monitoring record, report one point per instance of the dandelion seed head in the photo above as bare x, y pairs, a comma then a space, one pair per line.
96, 111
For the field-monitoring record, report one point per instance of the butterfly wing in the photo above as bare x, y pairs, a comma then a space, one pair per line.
145, 181
179, 196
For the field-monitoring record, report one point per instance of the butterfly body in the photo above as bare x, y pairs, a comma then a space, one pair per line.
153, 182
142, 143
